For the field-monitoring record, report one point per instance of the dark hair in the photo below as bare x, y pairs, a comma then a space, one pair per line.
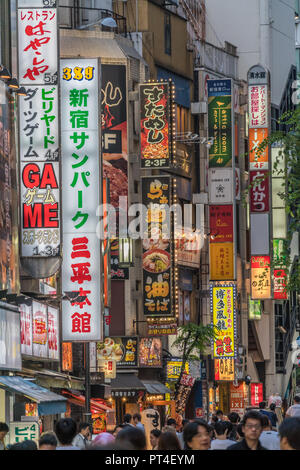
219, 412
273, 406
191, 430
83, 426
155, 432
4, 427
65, 430
297, 399
127, 418
265, 421
135, 437
234, 417
171, 421
137, 416
222, 426
48, 439
25, 445
262, 405
184, 422
214, 419
239, 430
290, 428
119, 426
252, 415
168, 441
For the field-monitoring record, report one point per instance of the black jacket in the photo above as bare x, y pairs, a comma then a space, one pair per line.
242, 445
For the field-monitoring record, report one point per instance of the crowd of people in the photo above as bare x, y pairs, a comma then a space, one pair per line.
257, 430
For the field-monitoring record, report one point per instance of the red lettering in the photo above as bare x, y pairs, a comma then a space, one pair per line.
48, 177
50, 212
32, 216
32, 178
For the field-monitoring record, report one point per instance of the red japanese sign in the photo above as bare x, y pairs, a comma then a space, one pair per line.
258, 106
256, 391
259, 191
237, 398
280, 279
260, 277
221, 223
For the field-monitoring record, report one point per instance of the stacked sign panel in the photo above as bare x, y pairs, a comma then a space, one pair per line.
223, 300
259, 194
39, 129
81, 319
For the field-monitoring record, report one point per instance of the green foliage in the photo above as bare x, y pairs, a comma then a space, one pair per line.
192, 340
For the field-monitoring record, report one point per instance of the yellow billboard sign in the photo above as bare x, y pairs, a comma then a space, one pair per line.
222, 300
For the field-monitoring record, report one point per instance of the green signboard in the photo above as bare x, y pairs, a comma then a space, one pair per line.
254, 309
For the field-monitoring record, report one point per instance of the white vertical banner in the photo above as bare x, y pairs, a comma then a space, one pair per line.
53, 333
81, 271
39, 329
26, 329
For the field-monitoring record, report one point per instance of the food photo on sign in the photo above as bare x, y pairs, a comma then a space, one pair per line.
150, 352
122, 350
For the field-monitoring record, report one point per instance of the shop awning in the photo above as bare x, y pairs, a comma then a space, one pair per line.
49, 403
155, 387
127, 382
96, 406
49, 378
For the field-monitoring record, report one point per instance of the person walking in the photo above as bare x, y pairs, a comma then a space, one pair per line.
180, 434
128, 419
196, 435
65, 431
252, 426
222, 430
294, 410
289, 433
81, 439
137, 418
47, 441
273, 416
132, 436
168, 441
269, 438
154, 437
234, 419
3, 431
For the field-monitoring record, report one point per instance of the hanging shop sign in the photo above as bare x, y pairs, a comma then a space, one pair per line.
67, 357
39, 329
81, 319
220, 122
221, 261
220, 183
106, 244
174, 368
260, 277
117, 273
26, 329
20, 431
157, 250
237, 398
187, 380
162, 327
256, 393
39, 139
222, 303
258, 106
156, 141
255, 309
187, 245
279, 284
53, 329
10, 350
221, 224
123, 350
108, 366
259, 191
258, 159
224, 369
150, 352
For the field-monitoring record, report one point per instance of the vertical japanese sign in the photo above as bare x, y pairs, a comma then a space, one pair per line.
53, 333
254, 309
156, 150
20, 431
39, 329
224, 369
220, 122
39, 130
26, 329
260, 277
81, 318
67, 357
279, 272
157, 250
259, 191
256, 391
221, 224
222, 303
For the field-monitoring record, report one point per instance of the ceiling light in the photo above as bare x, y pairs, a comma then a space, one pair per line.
21, 91
5, 74
13, 83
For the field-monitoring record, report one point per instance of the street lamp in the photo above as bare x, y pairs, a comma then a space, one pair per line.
125, 252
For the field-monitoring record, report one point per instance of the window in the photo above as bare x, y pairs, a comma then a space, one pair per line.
168, 34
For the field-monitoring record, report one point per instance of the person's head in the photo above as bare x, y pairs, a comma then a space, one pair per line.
266, 423
220, 415
47, 441
117, 429
84, 429
234, 417
25, 445
185, 422
214, 419
65, 431
134, 436
252, 425
297, 400
196, 435
136, 418
272, 407
239, 430
154, 436
289, 432
171, 422
103, 439
127, 418
3, 430
262, 405
168, 441
222, 429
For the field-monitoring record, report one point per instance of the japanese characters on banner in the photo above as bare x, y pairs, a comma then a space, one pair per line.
222, 303
221, 261
254, 309
67, 357
162, 327
157, 250
156, 150
259, 191
279, 272
20, 431
260, 278
150, 352
81, 318
123, 350
39, 125
39, 329
256, 392
53, 339
224, 369
220, 186
221, 224
26, 329
237, 398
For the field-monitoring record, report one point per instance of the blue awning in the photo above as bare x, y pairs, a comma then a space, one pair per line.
182, 86
49, 403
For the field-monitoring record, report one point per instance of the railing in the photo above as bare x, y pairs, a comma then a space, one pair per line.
216, 59
86, 18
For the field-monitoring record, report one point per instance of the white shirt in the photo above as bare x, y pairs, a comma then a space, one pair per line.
221, 444
270, 440
293, 411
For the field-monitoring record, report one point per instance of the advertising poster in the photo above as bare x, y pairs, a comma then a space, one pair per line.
258, 160
150, 352
67, 357
155, 125
258, 106
26, 329
221, 223
40, 329
279, 287
256, 392
220, 122
224, 369
221, 261
237, 398
174, 368
123, 350
259, 191
157, 251
222, 300
53, 333
162, 328
260, 277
